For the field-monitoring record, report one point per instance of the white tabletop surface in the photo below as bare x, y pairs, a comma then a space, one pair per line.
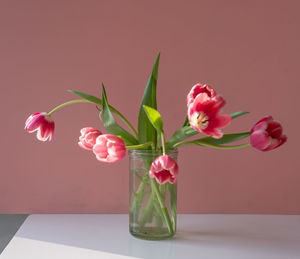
199, 236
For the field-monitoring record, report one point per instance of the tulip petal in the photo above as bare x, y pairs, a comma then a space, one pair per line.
162, 176
204, 115
266, 134
82, 146
109, 148
88, 137
198, 89
164, 169
34, 123
41, 123
260, 139
274, 129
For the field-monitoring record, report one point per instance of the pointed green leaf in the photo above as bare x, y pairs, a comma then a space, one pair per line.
180, 135
110, 124
146, 131
88, 97
227, 138
96, 100
237, 114
186, 122
187, 132
212, 145
154, 117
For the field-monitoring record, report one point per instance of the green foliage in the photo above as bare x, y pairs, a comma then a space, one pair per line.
186, 122
187, 132
237, 114
227, 138
180, 135
146, 131
88, 97
111, 125
155, 118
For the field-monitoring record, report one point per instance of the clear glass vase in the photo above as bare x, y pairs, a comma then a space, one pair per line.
153, 206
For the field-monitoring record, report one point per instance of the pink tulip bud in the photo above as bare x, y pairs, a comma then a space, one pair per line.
41, 123
266, 134
198, 89
109, 148
164, 169
88, 138
204, 114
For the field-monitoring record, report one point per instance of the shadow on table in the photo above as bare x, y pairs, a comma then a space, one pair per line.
9, 225
190, 239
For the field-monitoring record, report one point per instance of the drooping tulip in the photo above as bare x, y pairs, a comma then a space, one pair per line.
42, 123
204, 115
109, 148
198, 89
266, 134
164, 169
88, 138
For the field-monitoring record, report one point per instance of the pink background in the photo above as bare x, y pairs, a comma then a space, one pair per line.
247, 50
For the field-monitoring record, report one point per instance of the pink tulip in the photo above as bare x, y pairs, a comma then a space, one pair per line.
198, 89
266, 134
164, 169
204, 115
41, 123
109, 148
88, 138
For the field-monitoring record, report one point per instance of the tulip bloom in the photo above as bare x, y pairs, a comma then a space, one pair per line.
266, 134
88, 138
41, 123
109, 148
164, 169
198, 89
204, 115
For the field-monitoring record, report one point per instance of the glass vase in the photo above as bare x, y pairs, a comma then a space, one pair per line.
153, 206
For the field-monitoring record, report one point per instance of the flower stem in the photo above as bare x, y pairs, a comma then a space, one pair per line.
163, 142
121, 116
148, 209
139, 195
211, 145
66, 104
162, 206
139, 146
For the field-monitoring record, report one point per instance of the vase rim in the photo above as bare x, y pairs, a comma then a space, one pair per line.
151, 152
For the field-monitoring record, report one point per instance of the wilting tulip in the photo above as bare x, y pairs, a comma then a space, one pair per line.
266, 134
88, 138
41, 123
164, 169
204, 115
109, 148
198, 89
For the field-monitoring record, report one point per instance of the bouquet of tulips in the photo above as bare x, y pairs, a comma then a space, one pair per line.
204, 116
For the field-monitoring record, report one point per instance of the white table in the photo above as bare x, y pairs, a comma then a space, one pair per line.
198, 236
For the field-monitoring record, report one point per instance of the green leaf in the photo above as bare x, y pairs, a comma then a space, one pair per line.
88, 97
227, 138
173, 199
96, 100
186, 122
187, 132
180, 135
154, 117
110, 124
146, 131
237, 114
212, 145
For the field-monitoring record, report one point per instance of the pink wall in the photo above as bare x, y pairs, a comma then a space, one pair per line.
247, 50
